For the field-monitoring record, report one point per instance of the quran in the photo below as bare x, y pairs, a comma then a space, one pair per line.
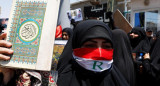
31, 30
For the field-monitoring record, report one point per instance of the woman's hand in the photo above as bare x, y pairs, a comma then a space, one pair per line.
134, 56
146, 56
4, 48
4, 55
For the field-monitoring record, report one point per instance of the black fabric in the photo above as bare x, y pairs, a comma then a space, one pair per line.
152, 66
85, 31
140, 44
155, 55
12, 82
149, 29
65, 57
154, 40
158, 34
123, 55
151, 40
69, 31
72, 74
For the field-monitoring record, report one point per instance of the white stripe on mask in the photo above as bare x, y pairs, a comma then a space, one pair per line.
93, 65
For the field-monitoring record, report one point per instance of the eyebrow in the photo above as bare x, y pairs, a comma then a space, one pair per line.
93, 41
96, 41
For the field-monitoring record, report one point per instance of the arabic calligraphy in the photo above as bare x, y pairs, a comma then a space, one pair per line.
28, 31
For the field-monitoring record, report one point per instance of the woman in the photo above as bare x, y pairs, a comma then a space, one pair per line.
157, 36
88, 59
152, 64
140, 48
66, 33
139, 41
122, 55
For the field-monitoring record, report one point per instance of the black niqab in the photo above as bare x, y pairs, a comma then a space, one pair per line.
140, 44
72, 74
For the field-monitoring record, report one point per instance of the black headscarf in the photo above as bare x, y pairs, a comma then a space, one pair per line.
69, 31
154, 41
72, 74
155, 54
158, 34
140, 44
123, 55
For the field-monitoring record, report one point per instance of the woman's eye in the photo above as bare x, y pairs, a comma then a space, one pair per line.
90, 46
107, 47
64, 35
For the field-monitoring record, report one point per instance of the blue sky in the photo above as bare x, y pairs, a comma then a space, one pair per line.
5, 8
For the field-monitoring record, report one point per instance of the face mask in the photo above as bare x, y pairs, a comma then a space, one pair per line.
94, 59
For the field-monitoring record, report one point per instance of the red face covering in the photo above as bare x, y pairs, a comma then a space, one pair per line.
94, 53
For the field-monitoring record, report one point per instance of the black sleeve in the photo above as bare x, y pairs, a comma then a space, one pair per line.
146, 65
150, 70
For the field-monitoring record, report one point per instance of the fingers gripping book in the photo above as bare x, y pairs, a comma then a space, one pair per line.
31, 30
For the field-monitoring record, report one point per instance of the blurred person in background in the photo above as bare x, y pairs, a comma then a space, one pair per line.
122, 55
67, 33
140, 48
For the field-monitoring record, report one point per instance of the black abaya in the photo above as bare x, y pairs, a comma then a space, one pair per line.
139, 45
123, 55
152, 66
